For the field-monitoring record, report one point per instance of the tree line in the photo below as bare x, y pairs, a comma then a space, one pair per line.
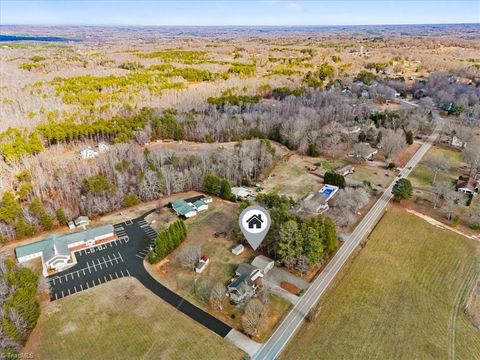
167, 241
19, 307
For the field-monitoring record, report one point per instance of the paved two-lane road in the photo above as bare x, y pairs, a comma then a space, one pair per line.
286, 330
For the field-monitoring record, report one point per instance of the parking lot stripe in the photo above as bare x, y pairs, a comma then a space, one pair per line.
68, 291
88, 286
56, 296
121, 271
128, 272
62, 294
139, 256
93, 282
116, 275
111, 278
81, 287
75, 288
60, 279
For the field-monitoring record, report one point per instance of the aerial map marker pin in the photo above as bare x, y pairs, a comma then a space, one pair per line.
254, 222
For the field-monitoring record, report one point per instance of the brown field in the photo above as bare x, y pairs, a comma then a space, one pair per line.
121, 320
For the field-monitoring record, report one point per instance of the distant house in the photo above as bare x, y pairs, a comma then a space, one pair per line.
263, 263
200, 205
345, 170
242, 193
202, 264
103, 147
182, 208
237, 250
467, 186
56, 251
315, 203
88, 153
457, 142
82, 221
204, 198
255, 221
364, 152
245, 283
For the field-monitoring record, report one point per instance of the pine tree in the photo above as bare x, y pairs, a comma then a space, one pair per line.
225, 189
330, 235
61, 217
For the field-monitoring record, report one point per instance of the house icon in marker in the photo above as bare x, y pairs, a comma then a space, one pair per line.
255, 221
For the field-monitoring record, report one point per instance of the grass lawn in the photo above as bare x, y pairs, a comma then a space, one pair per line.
375, 175
122, 320
291, 177
422, 176
396, 299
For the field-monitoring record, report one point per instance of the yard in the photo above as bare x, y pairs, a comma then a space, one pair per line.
292, 178
422, 176
221, 216
122, 320
402, 297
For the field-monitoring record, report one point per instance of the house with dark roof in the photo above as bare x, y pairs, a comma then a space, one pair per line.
245, 283
345, 170
56, 251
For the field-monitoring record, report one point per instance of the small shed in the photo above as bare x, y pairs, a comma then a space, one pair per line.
263, 263
202, 264
200, 205
237, 250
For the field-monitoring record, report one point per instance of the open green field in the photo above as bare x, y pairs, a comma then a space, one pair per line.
122, 320
402, 297
422, 176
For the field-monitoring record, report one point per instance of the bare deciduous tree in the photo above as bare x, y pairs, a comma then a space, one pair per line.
217, 296
252, 316
189, 256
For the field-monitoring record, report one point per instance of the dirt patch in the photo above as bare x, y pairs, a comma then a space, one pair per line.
290, 287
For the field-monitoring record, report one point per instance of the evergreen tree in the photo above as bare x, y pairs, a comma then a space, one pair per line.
225, 189
402, 190
211, 184
313, 247
409, 137
61, 217
286, 246
330, 235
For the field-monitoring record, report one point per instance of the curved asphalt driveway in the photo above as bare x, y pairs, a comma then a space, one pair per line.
125, 258
139, 238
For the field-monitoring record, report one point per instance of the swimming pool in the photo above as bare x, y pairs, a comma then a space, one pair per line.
328, 191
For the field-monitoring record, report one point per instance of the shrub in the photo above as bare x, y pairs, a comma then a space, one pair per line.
335, 179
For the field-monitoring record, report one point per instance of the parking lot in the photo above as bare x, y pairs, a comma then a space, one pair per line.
105, 262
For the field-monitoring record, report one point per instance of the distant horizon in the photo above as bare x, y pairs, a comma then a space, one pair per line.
246, 13
239, 25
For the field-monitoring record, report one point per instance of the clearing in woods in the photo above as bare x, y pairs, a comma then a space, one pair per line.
402, 297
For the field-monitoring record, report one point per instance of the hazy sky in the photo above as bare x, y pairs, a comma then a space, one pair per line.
238, 12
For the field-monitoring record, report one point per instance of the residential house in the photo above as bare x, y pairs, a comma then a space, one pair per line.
88, 153
345, 170
244, 285
182, 208
467, 186
364, 152
314, 203
242, 193
458, 143
263, 263
82, 221
103, 147
202, 264
56, 251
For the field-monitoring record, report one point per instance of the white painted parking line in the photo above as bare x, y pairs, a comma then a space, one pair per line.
128, 272
68, 291
141, 257
110, 276
72, 276
116, 275
88, 287
75, 288
56, 296
93, 282
62, 294
81, 286
83, 271
121, 271
60, 279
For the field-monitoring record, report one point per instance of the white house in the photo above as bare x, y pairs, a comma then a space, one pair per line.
457, 142
242, 193
263, 263
467, 186
199, 205
103, 147
83, 221
88, 153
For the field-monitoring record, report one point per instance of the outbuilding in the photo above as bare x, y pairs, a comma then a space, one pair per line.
263, 263
237, 250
